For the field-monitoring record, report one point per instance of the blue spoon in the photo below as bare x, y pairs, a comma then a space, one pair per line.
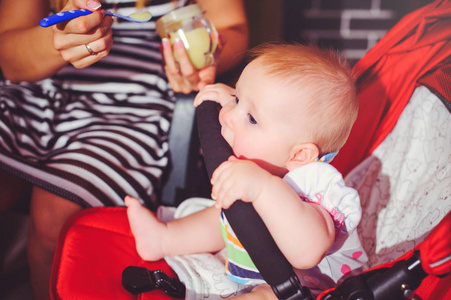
72, 14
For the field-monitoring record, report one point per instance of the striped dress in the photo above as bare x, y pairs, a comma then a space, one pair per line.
97, 134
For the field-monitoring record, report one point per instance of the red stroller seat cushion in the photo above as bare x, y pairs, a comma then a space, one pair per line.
97, 246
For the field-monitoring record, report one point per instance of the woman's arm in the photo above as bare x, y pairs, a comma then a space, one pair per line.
29, 52
26, 50
229, 18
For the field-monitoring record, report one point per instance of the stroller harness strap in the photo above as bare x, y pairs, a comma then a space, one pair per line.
245, 221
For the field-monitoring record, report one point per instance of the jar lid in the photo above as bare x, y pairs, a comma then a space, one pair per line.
182, 13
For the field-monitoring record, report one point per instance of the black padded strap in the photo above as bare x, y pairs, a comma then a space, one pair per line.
246, 223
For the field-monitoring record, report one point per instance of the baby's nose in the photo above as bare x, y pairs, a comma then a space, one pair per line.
227, 116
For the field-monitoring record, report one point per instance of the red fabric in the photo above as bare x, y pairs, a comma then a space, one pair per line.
96, 246
438, 80
436, 247
435, 251
389, 73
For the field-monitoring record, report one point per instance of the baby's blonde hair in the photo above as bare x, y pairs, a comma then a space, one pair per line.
325, 80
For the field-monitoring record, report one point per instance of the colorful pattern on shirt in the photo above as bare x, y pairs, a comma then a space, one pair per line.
322, 184
239, 265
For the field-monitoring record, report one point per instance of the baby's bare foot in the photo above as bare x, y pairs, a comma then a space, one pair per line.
146, 229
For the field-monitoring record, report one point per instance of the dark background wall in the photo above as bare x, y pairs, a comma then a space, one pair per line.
351, 26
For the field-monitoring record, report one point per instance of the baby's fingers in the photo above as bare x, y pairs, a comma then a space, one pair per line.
224, 200
207, 93
225, 190
232, 158
221, 172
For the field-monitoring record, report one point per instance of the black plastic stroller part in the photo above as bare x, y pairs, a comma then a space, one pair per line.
246, 223
394, 283
139, 280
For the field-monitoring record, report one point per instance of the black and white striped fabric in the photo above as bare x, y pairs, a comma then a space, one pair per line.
97, 134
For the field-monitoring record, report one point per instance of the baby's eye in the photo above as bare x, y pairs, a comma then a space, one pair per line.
237, 100
251, 119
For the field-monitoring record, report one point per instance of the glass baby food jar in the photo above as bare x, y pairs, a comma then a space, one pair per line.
197, 33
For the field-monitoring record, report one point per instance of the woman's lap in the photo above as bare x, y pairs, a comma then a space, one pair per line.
90, 148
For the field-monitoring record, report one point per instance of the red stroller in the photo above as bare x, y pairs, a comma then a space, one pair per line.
96, 245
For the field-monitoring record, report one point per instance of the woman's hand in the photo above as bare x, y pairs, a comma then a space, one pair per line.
29, 52
182, 75
229, 18
74, 38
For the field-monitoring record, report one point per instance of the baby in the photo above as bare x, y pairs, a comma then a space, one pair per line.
291, 111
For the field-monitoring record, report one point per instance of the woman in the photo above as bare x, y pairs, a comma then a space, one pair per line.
86, 107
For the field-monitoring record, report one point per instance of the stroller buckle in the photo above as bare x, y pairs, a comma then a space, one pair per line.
139, 280
292, 290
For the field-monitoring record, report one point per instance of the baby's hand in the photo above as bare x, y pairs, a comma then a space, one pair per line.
218, 92
237, 179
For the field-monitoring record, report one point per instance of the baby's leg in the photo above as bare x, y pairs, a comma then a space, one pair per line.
146, 229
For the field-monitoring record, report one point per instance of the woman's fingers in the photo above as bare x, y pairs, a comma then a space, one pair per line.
182, 75
78, 4
82, 24
206, 76
85, 40
66, 36
188, 71
171, 66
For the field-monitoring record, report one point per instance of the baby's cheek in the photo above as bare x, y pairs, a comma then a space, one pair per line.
244, 148
261, 155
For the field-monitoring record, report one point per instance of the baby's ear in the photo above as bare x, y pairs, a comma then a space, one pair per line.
302, 154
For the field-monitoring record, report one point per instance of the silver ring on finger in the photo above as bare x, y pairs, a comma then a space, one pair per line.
90, 51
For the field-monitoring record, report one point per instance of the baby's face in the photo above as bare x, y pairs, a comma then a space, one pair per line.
262, 124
